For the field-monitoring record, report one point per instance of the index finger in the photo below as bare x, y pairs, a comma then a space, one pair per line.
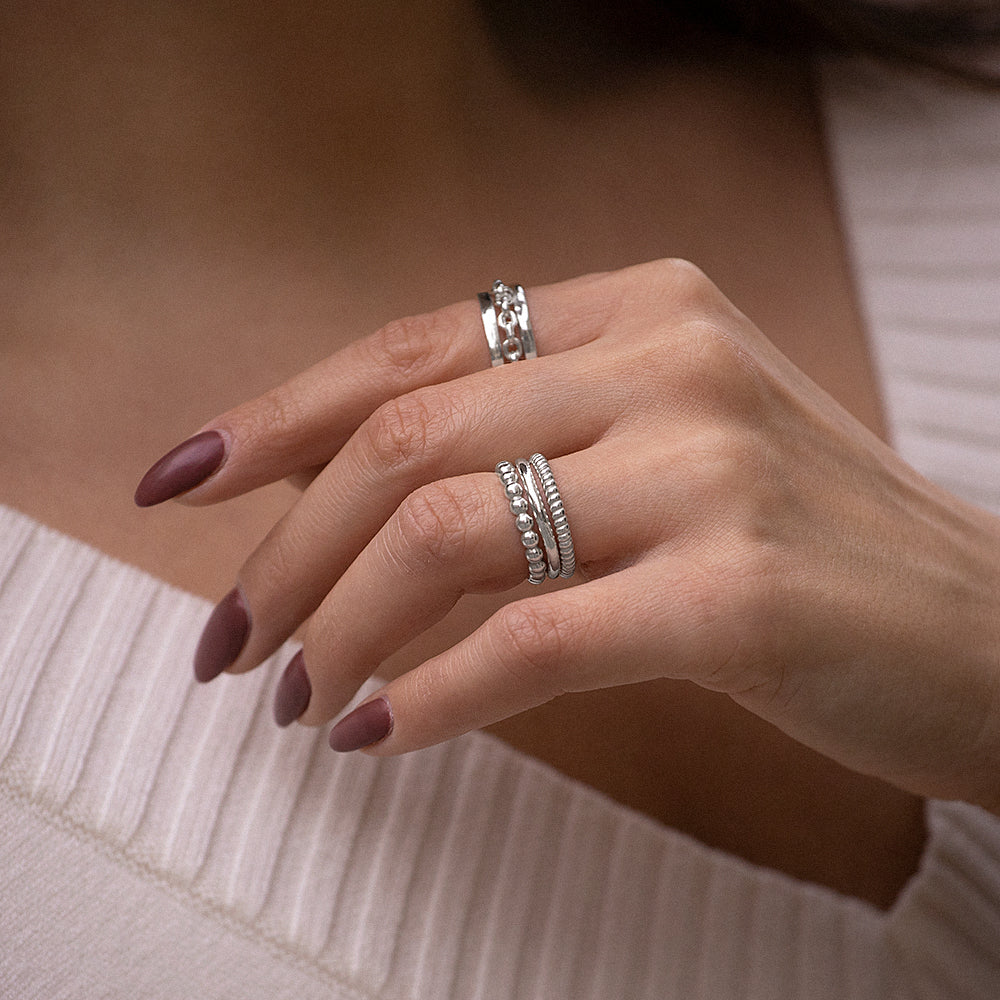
304, 422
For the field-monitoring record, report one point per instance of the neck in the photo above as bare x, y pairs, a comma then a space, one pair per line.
388, 124
387, 162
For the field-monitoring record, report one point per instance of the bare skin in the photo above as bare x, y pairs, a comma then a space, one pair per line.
198, 209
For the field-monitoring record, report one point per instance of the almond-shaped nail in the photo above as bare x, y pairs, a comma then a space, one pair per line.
224, 637
181, 469
366, 725
292, 696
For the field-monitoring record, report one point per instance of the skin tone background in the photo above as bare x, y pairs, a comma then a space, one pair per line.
198, 203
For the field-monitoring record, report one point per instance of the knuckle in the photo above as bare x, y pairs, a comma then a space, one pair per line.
433, 525
728, 605
748, 511
534, 641
682, 285
712, 354
682, 274
665, 291
728, 464
665, 272
699, 365
756, 594
714, 372
405, 347
410, 430
276, 416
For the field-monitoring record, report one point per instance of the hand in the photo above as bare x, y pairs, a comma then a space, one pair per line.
734, 526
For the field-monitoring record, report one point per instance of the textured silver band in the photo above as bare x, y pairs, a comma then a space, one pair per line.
564, 539
507, 324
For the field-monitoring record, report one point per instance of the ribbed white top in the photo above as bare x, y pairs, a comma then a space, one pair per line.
919, 175
164, 840
160, 837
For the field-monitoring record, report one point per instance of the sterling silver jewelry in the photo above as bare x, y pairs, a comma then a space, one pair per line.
520, 507
564, 540
539, 515
507, 324
543, 523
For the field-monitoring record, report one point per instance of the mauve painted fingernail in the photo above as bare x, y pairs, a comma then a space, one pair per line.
294, 691
366, 725
181, 469
224, 637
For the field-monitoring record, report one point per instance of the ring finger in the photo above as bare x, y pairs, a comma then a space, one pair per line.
436, 433
449, 538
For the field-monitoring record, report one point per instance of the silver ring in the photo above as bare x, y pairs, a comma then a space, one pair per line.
564, 539
507, 324
543, 523
539, 515
520, 507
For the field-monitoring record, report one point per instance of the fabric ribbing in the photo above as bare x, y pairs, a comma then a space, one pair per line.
204, 841
945, 929
917, 167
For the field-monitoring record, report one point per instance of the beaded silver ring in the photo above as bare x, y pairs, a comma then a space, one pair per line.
520, 507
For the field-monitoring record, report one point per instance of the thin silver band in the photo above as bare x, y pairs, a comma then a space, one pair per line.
564, 540
507, 324
543, 523
524, 324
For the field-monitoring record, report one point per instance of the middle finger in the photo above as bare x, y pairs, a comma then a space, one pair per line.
434, 433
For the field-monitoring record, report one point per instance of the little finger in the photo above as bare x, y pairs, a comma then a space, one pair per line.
452, 537
610, 631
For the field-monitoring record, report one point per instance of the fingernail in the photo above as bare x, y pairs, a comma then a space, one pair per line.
291, 698
366, 725
181, 469
224, 637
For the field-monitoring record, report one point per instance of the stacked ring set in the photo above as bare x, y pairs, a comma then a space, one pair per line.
539, 516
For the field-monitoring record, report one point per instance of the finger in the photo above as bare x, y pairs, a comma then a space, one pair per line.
619, 629
436, 433
450, 538
302, 423
558, 404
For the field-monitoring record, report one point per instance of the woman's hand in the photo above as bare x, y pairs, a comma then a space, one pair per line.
733, 526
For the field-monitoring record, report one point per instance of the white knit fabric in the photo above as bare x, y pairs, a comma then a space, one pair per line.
161, 839
919, 174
